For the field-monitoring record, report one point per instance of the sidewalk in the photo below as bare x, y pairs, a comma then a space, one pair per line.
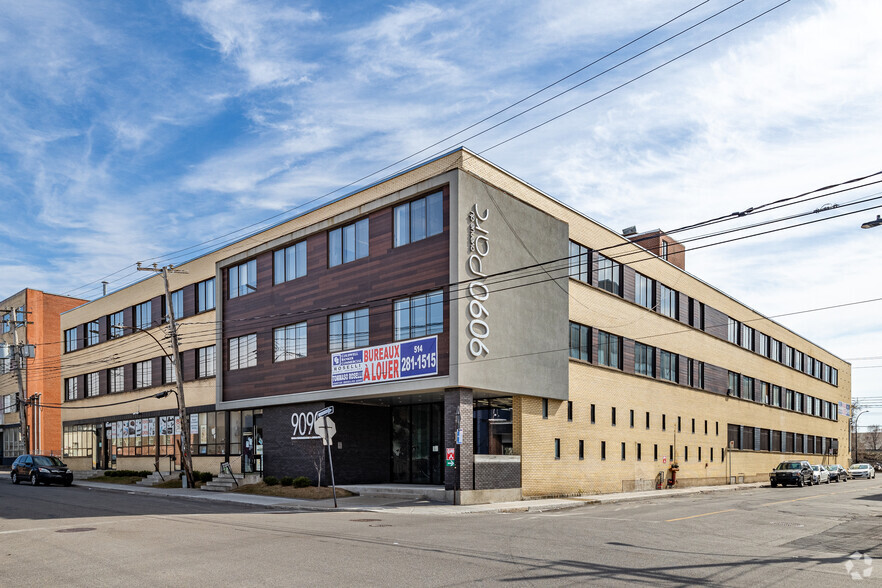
397, 506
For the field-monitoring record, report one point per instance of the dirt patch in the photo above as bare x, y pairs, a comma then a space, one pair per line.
116, 479
308, 493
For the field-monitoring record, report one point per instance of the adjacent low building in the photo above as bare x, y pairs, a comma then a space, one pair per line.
30, 384
469, 331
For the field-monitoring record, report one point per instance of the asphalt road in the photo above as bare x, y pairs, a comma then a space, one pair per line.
52, 536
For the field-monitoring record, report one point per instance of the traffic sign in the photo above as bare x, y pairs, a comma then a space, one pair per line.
451, 457
326, 429
664, 460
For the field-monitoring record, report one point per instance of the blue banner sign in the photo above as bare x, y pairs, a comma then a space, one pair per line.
385, 363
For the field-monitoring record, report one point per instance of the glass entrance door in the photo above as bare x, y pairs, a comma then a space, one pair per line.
416, 444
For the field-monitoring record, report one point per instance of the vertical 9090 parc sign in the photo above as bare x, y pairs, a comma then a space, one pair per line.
479, 293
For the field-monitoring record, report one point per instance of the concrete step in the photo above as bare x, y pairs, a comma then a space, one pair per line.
154, 478
226, 482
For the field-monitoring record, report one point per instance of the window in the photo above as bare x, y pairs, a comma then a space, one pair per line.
93, 332
712, 454
592, 414
612, 419
834, 376
655, 452
632, 419
289, 263
608, 350
70, 340
168, 371
701, 375
699, 454
747, 337
116, 379
348, 243
570, 410
419, 316
705, 427
243, 278
581, 449
70, 388
603, 450
143, 374
647, 420
747, 388
774, 350
623, 452
664, 422
544, 408
787, 353
580, 342
643, 293
667, 301
797, 402
788, 399
718, 428
762, 344
580, 262
92, 384
177, 304
557, 449
664, 250
116, 325
206, 358
732, 332
205, 295
765, 398
690, 372
609, 275
693, 426
679, 424
419, 219
243, 352
797, 360
7, 323
734, 388
143, 316
644, 359
348, 330
289, 342
668, 366
686, 454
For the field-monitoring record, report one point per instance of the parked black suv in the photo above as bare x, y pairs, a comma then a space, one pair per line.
40, 469
797, 472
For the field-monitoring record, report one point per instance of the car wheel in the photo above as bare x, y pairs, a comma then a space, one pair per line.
14, 478
828, 480
34, 480
68, 483
800, 482
774, 484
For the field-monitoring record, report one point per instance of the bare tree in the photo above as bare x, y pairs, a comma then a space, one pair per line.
874, 438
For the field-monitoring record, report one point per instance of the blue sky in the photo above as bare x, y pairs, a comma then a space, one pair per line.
130, 130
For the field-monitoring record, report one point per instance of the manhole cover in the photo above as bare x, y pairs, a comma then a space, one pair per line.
76, 530
364, 520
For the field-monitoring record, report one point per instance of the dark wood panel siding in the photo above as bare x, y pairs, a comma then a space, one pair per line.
627, 355
629, 281
376, 281
157, 310
189, 300
188, 364
683, 308
683, 369
157, 371
716, 323
716, 379
102, 382
128, 377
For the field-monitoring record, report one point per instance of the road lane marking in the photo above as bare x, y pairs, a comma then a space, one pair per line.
707, 514
813, 496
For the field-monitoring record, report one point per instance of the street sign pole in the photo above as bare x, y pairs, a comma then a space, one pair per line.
327, 439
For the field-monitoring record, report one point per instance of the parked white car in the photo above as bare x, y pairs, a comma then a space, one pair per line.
820, 475
861, 470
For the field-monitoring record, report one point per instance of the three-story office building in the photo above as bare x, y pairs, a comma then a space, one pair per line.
469, 331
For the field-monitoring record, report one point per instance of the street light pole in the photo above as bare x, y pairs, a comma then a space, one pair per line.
873, 223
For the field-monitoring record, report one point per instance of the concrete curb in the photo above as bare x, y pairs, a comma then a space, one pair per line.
523, 506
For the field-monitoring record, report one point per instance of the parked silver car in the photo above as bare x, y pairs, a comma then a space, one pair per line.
862, 470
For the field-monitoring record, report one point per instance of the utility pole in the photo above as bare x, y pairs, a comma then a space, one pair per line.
186, 457
19, 352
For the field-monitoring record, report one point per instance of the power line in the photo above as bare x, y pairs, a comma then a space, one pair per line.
168, 256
